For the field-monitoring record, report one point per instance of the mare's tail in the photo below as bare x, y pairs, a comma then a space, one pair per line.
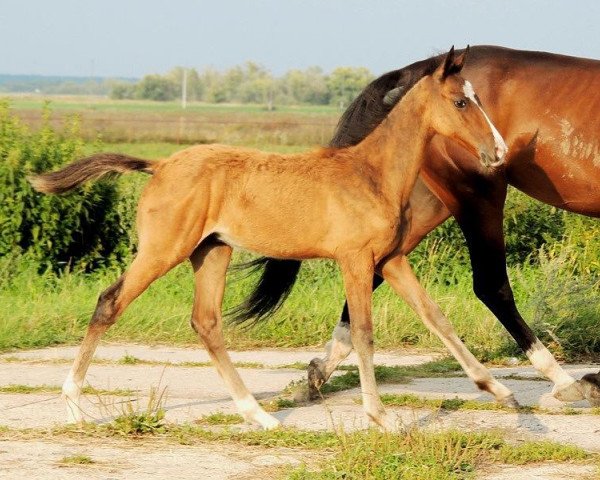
89, 168
274, 286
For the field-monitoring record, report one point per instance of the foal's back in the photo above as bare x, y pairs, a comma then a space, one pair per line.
309, 202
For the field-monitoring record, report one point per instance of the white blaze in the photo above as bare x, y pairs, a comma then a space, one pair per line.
501, 148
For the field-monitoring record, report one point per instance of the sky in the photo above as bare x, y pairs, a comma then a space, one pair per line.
131, 38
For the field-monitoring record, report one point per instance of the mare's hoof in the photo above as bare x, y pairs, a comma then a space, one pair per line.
316, 379
573, 392
590, 386
509, 402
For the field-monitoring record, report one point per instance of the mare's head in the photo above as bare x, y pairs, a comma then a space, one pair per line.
454, 111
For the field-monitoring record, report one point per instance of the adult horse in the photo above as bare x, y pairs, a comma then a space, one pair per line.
546, 107
205, 200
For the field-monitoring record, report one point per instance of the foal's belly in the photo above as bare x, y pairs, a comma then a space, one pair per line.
308, 235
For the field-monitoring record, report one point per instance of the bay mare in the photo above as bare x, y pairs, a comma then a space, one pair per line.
547, 108
346, 204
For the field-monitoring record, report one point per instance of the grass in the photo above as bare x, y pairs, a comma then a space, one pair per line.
399, 374
454, 404
133, 421
78, 459
87, 390
43, 310
540, 451
422, 455
81, 103
414, 455
220, 418
414, 401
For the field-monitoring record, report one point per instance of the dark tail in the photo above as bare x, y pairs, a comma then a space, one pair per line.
275, 284
89, 168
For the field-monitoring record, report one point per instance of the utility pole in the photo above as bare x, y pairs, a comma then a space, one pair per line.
184, 89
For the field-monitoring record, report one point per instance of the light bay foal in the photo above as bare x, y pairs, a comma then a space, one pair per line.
348, 204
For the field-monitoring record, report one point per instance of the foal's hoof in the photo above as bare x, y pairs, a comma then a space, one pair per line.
573, 392
316, 379
509, 402
386, 422
590, 386
265, 420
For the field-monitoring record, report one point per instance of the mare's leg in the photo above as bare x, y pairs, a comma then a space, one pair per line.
481, 223
398, 273
112, 302
336, 350
210, 262
357, 273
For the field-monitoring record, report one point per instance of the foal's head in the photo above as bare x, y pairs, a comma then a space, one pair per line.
454, 111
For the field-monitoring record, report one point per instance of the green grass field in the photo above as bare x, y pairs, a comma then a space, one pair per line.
101, 104
558, 291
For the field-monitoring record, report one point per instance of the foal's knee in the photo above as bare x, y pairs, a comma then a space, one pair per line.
205, 326
107, 308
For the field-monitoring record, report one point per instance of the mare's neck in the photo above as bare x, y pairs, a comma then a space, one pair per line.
396, 148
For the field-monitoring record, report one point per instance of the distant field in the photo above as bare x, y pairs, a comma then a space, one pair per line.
83, 103
146, 121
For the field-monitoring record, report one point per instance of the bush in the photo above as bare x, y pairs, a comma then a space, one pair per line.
84, 229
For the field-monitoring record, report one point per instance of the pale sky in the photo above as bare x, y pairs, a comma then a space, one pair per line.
135, 37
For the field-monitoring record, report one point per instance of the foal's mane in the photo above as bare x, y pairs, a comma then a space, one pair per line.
369, 109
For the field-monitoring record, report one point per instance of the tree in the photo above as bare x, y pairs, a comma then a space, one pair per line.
122, 90
156, 87
345, 83
305, 86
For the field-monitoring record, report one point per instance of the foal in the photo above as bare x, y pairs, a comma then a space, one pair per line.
346, 204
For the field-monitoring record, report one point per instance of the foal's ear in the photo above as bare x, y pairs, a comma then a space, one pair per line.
452, 64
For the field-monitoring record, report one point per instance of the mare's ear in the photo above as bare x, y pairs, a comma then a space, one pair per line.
452, 64
392, 96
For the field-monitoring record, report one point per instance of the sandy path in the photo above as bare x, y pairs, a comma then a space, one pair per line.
195, 391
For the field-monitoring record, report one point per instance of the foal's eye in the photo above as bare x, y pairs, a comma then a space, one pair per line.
462, 103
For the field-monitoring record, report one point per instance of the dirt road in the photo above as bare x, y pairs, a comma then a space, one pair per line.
193, 390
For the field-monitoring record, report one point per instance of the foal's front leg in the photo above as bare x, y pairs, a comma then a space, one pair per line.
358, 272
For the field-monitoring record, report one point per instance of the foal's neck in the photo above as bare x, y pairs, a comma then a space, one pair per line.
396, 148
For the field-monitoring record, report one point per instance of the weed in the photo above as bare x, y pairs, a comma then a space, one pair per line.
413, 401
540, 451
77, 460
30, 389
133, 422
277, 404
399, 374
129, 360
220, 418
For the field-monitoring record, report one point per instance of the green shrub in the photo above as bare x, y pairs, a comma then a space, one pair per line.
84, 229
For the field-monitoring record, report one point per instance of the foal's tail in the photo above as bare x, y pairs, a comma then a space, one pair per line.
89, 168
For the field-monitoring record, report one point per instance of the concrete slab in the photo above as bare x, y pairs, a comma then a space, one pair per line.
170, 354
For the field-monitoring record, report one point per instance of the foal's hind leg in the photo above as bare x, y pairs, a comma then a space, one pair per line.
398, 273
143, 271
210, 262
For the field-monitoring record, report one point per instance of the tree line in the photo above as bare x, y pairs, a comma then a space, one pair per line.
250, 83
